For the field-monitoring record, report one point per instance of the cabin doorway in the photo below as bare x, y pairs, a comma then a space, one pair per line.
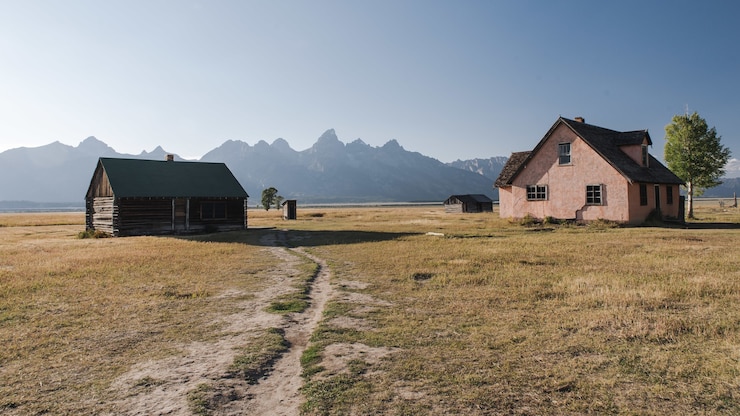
657, 197
180, 208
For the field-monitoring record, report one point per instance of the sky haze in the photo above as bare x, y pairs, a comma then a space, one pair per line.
449, 79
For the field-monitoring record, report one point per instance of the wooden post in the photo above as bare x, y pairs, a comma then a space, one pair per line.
173, 215
187, 214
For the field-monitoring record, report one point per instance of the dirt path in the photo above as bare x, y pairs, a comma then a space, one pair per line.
279, 393
161, 387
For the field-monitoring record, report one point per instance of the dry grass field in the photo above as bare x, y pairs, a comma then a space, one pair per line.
435, 313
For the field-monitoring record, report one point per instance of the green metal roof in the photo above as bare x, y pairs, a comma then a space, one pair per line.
170, 179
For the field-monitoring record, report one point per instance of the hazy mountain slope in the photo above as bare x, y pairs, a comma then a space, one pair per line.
55, 172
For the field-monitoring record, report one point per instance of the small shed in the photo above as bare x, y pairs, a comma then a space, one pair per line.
289, 209
468, 203
149, 197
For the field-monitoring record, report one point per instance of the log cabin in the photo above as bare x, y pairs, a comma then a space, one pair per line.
148, 197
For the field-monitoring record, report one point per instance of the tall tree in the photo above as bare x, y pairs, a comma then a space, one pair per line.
694, 153
268, 197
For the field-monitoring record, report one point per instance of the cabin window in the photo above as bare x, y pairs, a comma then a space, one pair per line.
594, 194
669, 195
213, 210
644, 155
643, 194
536, 192
564, 153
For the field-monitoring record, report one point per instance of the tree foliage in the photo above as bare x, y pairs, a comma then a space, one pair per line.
694, 153
269, 196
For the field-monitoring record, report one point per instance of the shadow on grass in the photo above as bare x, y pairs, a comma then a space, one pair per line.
297, 238
712, 226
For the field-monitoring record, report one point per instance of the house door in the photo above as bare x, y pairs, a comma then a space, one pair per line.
657, 197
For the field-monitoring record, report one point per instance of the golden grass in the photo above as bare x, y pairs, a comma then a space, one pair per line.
490, 318
76, 313
496, 318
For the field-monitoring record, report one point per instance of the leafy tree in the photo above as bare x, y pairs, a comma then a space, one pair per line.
268, 197
694, 153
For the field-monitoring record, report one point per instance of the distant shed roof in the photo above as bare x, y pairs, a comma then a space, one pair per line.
170, 179
471, 198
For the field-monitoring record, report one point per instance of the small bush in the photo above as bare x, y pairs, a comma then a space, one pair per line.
92, 234
528, 221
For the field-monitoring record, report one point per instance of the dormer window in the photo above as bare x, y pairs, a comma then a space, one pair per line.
645, 155
564, 153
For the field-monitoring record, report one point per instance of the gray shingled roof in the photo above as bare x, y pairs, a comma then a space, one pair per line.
511, 168
605, 142
170, 179
471, 198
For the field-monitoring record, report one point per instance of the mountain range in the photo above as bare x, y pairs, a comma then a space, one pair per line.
56, 175
330, 171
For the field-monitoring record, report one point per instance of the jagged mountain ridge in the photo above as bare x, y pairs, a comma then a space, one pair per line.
490, 168
332, 171
329, 171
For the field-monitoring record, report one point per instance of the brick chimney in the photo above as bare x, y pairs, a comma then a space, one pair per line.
170, 157
580, 119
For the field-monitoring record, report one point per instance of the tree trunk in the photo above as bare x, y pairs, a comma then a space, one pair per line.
690, 197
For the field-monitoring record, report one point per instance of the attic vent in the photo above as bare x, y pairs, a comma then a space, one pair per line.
580, 119
170, 158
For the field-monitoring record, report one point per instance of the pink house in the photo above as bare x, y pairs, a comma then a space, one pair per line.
583, 172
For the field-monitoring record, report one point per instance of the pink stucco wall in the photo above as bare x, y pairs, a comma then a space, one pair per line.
567, 186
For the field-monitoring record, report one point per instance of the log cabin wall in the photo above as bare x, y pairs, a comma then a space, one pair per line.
455, 207
158, 216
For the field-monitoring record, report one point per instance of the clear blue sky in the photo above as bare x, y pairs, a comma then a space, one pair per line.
450, 79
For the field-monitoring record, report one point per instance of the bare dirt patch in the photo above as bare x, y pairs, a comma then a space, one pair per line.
336, 357
159, 387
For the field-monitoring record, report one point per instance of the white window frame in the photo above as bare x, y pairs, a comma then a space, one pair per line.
595, 192
537, 192
562, 153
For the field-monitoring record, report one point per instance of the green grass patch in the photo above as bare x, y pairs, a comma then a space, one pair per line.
199, 400
256, 360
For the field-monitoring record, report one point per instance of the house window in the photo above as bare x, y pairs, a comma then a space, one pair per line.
213, 210
594, 194
643, 194
644, 155
536, 192
669, 195
564, 153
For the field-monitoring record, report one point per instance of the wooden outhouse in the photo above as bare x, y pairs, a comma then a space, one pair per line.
468, 203
149, 197
289, 209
